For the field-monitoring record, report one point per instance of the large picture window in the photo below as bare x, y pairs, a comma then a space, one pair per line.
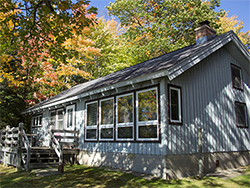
241, 114
147, 114
130, 116
106, 119
175, 112
125, 118
91, 121
236, 77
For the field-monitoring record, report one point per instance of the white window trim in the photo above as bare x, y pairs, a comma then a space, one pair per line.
90, 127
105, 125
130, 124
57, 116
37, 121
144, 123
179, 103
73, 117
53, 111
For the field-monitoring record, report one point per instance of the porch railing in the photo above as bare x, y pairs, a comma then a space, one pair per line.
12, 141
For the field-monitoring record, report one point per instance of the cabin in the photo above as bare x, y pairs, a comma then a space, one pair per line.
183, 113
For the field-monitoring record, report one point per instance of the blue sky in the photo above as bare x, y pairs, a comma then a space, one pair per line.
235, 7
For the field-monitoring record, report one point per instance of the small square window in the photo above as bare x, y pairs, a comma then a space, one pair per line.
241, 114
236, 77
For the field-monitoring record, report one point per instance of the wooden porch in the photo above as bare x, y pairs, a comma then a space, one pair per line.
23, 151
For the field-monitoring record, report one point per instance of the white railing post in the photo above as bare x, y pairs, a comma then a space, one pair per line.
19, 148
26, 145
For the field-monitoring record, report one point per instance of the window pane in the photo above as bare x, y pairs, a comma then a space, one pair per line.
236, 74
60, 115
125, 132
52, 120
60, 125
125, 109
92, 114
91, 134
40, 120
241, 115
174, 105
60, 119
147, 105
70, 118
107, 133
107, 111
148, 131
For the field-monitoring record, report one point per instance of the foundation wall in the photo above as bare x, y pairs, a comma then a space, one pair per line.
169, 166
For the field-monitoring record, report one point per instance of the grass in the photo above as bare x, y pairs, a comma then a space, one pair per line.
83, 176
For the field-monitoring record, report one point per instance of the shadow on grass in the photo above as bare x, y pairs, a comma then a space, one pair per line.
83, 176
243, 181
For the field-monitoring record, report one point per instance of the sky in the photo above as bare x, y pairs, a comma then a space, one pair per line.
235, 7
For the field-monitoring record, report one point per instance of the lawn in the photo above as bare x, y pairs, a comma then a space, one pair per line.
84, 176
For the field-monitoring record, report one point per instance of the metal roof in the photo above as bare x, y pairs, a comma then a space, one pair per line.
173, 63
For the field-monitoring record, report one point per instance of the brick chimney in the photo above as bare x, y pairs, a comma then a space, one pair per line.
204, 32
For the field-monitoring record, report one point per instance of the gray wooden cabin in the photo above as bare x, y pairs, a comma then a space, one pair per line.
183, 113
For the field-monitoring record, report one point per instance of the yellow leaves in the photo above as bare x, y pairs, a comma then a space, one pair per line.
68, 70
231, 23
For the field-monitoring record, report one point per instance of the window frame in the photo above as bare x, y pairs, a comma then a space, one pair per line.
241, 83
73, 116
172, 121
124, 125
61, 120
106, 126
150, 122
91, 127
50, 120
236, 115
38, 121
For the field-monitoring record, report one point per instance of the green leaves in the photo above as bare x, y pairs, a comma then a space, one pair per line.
155, 27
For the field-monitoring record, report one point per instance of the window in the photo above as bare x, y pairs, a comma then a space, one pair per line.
52, 120
59, 119
125, 118
70, 117
91, 121
147, 114
174, 94
37, 121
241, 114
106, 119
236, 77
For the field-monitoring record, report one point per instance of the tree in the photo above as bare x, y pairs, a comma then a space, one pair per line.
231, 23
156, 27
34, 63
107, 36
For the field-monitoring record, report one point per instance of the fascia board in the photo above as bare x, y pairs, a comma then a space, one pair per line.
150, 76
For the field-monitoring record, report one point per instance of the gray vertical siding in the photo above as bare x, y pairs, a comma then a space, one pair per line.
208, 102
129, 147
